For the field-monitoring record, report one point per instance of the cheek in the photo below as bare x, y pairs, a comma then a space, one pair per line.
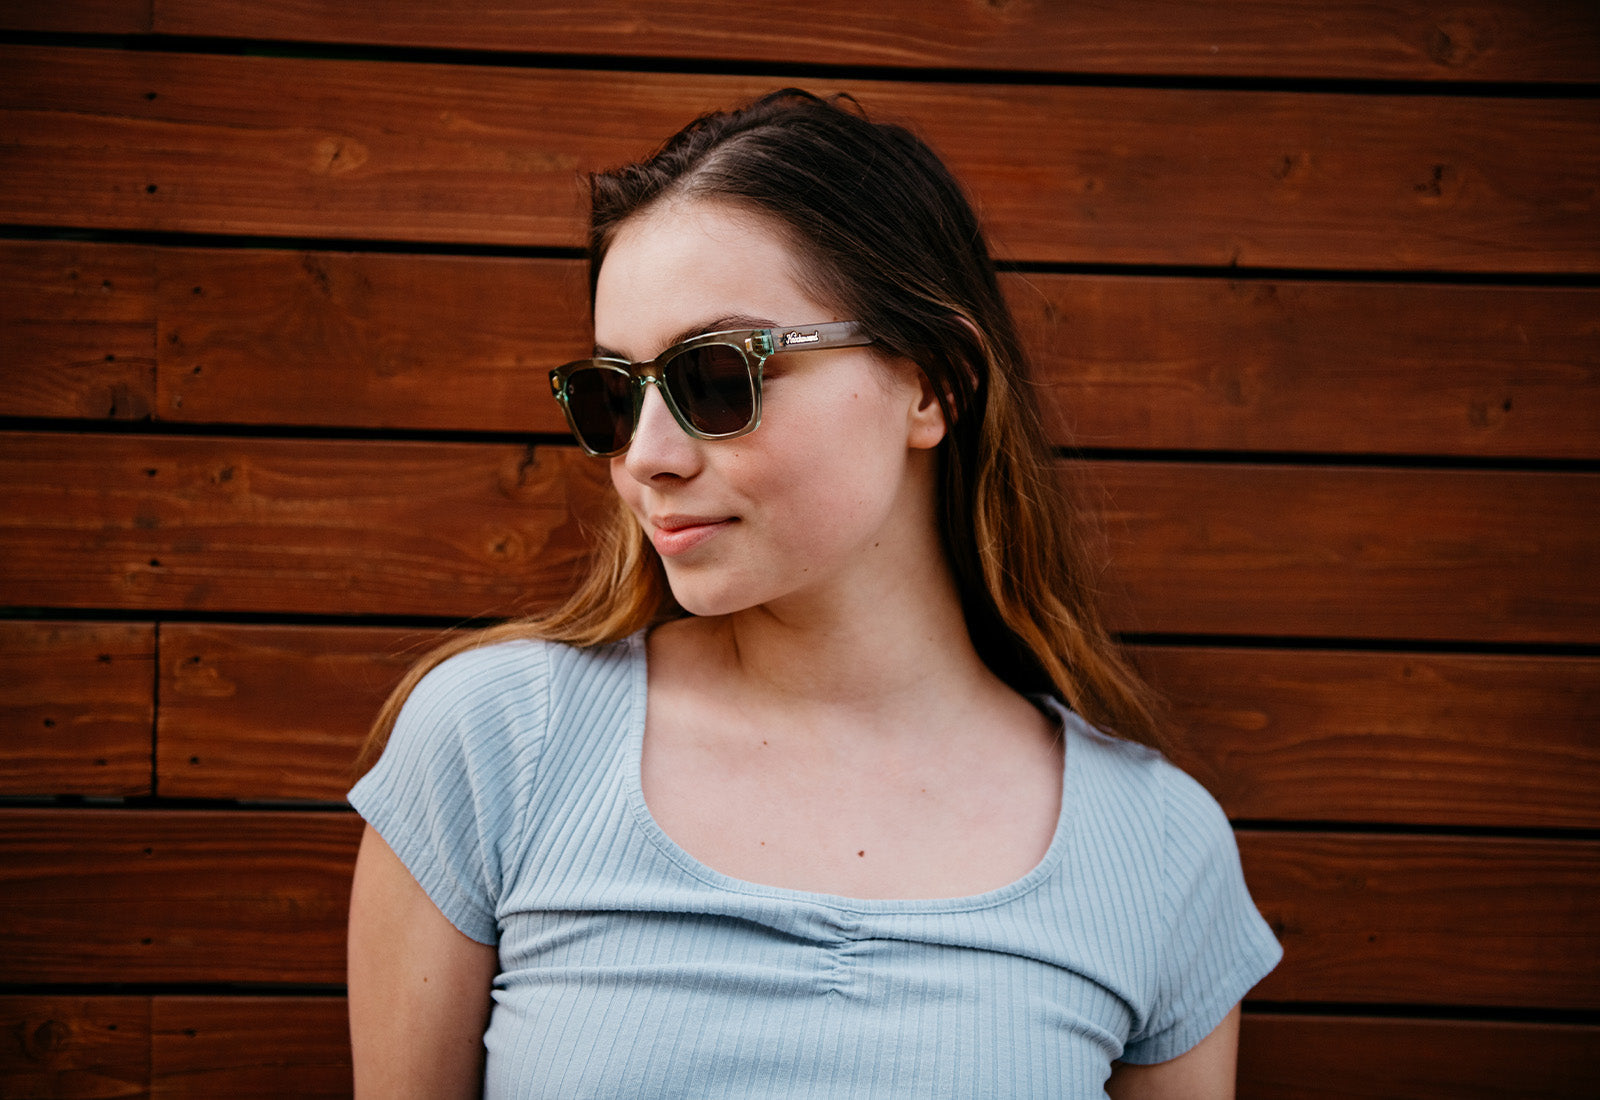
624, 484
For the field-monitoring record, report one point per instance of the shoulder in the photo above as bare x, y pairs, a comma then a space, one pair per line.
1137, 777
509, 680
1132, 799
491, 709
1159, 847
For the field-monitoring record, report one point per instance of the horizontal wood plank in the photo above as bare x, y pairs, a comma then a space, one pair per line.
1334, 367
368, 340
1283, 735
1400, 738
67, 1046
175, 896
1356, 553
77, 330
291, 525
365, 149
249, 1047
450, 342
1346, 1058
84, 16
269, 1046
77, 708
1421, 40
152, 522
210, 896
1428, 919
229, 730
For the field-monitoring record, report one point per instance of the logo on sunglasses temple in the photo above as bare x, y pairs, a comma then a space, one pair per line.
792, 338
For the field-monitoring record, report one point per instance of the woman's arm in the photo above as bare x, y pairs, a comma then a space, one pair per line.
1204, 1072
419, 988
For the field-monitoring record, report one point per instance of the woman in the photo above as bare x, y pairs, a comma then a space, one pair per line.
802, 794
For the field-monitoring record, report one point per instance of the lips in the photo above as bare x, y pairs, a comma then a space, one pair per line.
674, 535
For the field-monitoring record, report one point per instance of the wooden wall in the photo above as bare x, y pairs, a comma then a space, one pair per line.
1315, 289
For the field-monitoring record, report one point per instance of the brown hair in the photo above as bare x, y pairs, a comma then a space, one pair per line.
891, 241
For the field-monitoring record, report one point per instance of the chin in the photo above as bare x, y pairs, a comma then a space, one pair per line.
708, 600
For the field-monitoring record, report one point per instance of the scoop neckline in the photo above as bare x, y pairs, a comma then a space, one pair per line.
638, 694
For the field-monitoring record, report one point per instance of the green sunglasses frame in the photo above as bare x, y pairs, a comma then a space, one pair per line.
755, 346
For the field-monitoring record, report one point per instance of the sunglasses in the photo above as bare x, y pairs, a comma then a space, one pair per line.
711, 384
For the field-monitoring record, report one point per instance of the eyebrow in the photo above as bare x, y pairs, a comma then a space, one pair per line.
720, 324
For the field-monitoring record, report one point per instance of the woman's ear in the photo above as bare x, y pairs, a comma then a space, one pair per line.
926, 424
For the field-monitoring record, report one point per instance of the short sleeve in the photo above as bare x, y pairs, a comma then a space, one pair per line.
446, 791
1216, 945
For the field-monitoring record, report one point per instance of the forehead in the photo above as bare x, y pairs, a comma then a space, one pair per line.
682, 265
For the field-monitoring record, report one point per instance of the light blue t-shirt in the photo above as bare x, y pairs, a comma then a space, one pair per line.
510, 789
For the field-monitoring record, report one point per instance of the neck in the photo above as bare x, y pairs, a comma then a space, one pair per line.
901, 649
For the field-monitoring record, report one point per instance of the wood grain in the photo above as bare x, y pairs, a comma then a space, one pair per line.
77, 708
462, 343
229, 729
1283, 735
1402, 738
291, 525
62, 1045
471, 530
1335, 367
1497, 40
1441, 920
1306, 551
447, 342
84, 16
175, 896
271, 1046
1228, 146
260, 896
1344, 1058
77, 330
239, 1047
286, 146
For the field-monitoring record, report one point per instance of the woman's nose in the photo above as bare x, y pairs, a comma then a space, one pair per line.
660, 446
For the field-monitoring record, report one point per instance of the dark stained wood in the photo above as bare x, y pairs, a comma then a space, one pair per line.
472, 530
229, 729
1242, 365
288, 146
208, 896
1407, 738
175, 896
1343, 1058
1443, 920
77, 330
290, 525
266, 1047
448, 342
1413, 39
463, 343
1362, 178
297, 1046
74, 1046
1283, 735
77, 708
1306, 551
92, 16
370, 340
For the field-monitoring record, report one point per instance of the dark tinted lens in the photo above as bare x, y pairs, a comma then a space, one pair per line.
712, 388
600, 402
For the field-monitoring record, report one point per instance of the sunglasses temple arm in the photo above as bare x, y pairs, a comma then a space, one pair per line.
835, 334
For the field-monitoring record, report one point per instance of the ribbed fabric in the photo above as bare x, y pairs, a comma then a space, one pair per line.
510, 788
